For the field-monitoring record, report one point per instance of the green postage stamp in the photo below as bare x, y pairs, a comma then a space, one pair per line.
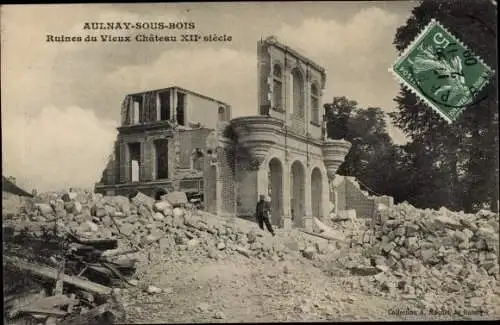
442, 71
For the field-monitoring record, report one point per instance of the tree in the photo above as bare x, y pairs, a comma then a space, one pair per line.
372, 156
337, 114
463, 155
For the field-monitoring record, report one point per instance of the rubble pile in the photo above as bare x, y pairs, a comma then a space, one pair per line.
403, 253
107, 234
425, 251
141, 222
354, 229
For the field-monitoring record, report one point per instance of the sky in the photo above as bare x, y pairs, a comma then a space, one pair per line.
61, 100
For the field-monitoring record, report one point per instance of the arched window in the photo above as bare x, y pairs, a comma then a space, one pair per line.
222, 113
298, 92
277, 87
314, 103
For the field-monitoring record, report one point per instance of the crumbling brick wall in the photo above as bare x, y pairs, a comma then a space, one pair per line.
228, 195
189, 140
247, 192
349, 196
357, 200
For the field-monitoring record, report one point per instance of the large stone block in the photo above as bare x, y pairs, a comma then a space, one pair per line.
177, 199
45, 209
143, 199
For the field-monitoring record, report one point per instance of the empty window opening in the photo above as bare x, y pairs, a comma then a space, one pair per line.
137, 109
165, 106
315, 103
198, 159
181, 106
298, 93
135, 161
161, 148
277, 87
222, 113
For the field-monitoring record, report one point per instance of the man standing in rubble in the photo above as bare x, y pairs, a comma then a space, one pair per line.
262, 212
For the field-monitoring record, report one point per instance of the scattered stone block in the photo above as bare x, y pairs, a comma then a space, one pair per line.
153, 290
251, 237
321, 246
203, 307
308, 253
448, 222
161, 206
219, 315
178, 213
92, 226
177, 199
143, 199
243, 251
45, 209
158, 216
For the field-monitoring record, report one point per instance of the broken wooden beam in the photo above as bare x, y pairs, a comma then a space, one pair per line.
53, 301
51, 273
100, 244
40, 311
319, 235
114, 253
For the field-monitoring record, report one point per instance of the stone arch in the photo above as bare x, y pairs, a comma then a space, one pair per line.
297, 193
275, 190
317, 192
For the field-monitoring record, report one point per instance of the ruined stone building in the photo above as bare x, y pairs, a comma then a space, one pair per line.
161, 141
282, 151
175, 139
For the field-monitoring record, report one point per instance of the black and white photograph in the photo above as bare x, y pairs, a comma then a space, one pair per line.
243, 162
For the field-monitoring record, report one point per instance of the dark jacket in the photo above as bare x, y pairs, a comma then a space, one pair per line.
263, 209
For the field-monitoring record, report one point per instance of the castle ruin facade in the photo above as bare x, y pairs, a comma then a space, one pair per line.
283, 151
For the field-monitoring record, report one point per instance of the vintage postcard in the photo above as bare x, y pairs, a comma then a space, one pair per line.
250, 162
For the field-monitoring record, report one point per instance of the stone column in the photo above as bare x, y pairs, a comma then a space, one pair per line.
336, 199
151, 158
173, 105
325, 190
142, 161
158, 107
288, 91
124, 162
287, 216
307, 101
308, 201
